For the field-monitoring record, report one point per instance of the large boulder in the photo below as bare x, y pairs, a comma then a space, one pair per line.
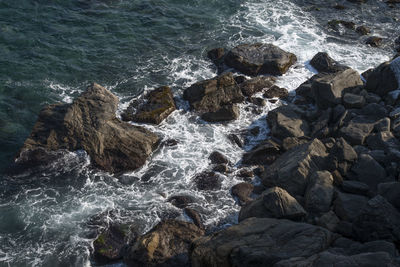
378, 220
273, 203
210, 95
167, 244
293, 169
257, 84
328, 89
385, 78
225, 113
348, 206
390, 191
160, 103
322, 62
284, 122
259, 242
90, 123
367, 170
319, 194
256, 59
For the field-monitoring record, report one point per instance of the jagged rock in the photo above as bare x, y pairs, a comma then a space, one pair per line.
382, 125
265, 153
258, 101
342, 156
242, 191
374, 41
327, 90
355, 187
384, 78
328, 220
276, 91
90, 123
374, 111
378, 220
390, 191
353, 100
257, 84
292, 170
383, 140
160, 103
322, 62
284, 122
218, 158
363, 30
225, 113
216, 55
210, 95
291, 142
348, 206
195, 216
369, 171
207, 181
373, 246
357, 130
320, 128
256, 59
319, 193
167, 244
110, 244
273, 203
257, 241
235, 140
180, 201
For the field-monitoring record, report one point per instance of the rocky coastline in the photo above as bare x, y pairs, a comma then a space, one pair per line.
329, 170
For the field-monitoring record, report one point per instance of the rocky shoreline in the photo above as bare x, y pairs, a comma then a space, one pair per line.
329, 171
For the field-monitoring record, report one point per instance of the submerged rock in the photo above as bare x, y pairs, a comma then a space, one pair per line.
276, 91
167, 244
256, 59
90, 123
207, 181
160, 103
259, 242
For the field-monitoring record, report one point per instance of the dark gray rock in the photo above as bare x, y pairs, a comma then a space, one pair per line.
369, 171
293, 169
319, 193
284, 122
328, 220
382, 125
357, 130
377, 220
195, 216
353, 100
210, 95
235, 140
374, 111
180, 201
374, 41
322, 62
257, 84
243, 191
383, 140
257, 241
276, 91
256, 59
355, 187
390, 191
291, 142
225, 113
218, 158
363, 30
383, 79
207, 181
274, 202
348, 206
320, 128
327, 90
265, 153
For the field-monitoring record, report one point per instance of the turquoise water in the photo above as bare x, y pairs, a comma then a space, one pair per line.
51, 50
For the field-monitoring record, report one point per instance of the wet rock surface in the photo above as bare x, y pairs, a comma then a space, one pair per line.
90, 123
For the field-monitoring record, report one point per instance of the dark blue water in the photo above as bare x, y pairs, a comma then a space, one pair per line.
51, 50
